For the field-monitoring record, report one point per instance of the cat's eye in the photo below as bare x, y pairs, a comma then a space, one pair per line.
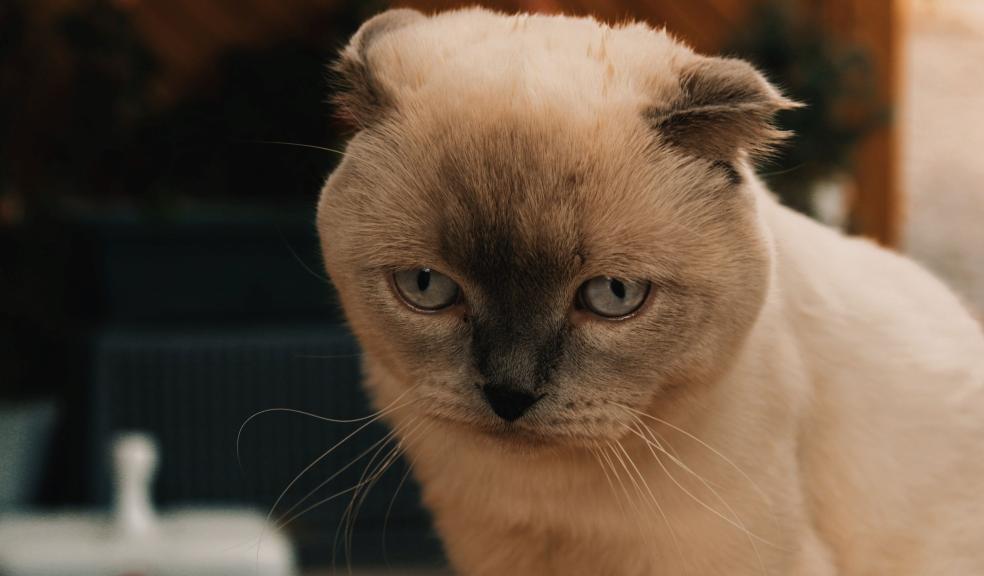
426, 290
613, 298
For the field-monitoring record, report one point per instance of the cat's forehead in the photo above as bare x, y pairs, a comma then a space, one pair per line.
533, 197
538, 191
511, 214
535, 140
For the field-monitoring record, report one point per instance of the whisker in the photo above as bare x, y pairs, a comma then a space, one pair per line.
378, 473
608, 478
299, 412
304, 265
319, 459
660, 440
737, 522
618, 457
636, 516
364, 480
761, 493
287, 522
391, 407
618, 477
783, 171
669, 527
403, 480
389, 508
371, 416
296, 144
348, 517
365, 484
327, 499
321, 502
375, 446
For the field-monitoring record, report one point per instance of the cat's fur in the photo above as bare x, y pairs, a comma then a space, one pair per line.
819, 402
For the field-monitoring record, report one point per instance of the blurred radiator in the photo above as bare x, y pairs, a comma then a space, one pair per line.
193, 389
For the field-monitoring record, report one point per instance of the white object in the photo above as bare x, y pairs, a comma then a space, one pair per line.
135, 541
135, 459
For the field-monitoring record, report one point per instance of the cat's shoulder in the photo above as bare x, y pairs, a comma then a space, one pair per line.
862, 291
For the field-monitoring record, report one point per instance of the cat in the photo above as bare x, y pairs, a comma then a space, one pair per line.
604, 345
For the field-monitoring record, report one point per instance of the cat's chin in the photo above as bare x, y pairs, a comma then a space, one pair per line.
513, 438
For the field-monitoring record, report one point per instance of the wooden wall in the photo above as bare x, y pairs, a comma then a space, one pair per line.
881, 27
187, 36
705, 24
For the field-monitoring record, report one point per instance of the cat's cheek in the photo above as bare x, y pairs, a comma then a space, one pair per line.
400, 337
580, 317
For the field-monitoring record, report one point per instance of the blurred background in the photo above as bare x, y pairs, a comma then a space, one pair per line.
159, 271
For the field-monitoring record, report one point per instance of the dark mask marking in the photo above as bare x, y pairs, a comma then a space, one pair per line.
519, 322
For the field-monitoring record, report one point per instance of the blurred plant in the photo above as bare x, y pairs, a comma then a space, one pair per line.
75, 88
836, 81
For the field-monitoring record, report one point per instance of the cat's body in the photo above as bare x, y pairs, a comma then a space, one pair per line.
815, 405
870, 455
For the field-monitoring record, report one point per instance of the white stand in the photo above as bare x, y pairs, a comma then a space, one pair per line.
135, 540
135, 459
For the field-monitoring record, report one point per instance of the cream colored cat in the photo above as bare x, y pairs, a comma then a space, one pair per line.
606, 347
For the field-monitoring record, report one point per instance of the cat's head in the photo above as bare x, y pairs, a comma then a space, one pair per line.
544, 222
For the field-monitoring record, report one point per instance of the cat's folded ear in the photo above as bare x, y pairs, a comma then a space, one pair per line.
724, 107
361, 97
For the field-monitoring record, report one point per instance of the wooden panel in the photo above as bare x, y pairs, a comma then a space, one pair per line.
880, 27
878, 213
705, 24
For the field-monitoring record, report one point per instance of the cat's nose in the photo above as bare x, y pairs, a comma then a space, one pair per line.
509, 403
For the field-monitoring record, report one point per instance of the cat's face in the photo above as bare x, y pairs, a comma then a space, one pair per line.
532, 268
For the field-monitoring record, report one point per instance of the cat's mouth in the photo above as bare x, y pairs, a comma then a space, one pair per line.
515, 434
539, 427
492, 428
523, 435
